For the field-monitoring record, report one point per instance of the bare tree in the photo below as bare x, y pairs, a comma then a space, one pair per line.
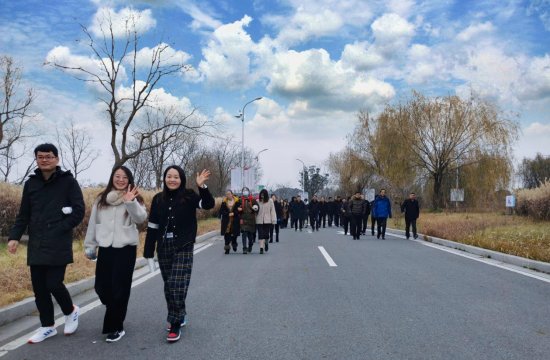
110, 54
226, 156
75, 148
15, 107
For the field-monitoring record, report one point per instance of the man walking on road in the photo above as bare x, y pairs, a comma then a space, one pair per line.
412, 211
314, 212
51, 206
382, 210
357, 211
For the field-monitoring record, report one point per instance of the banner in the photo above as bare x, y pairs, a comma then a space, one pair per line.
249, 180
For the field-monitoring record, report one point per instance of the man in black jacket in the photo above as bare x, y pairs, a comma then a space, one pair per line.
314, 208
412, 211
357, 211
51, 206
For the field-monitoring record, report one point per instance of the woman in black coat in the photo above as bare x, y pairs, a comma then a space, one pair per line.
230, 221
172, 230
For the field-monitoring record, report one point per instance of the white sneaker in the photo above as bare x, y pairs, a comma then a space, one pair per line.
71, 321
42, 334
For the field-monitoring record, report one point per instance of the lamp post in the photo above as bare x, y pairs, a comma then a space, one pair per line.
241, 116
303, 177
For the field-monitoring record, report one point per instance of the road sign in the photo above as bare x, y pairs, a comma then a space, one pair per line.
457, 195
510, 201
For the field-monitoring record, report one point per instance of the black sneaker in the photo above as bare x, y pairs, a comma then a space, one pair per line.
261, 251
234, 249
115, 336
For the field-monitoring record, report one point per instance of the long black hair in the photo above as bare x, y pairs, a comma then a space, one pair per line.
264, 196
110, 185
182, 193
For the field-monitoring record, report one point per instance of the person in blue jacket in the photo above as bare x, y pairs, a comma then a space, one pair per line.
382, 211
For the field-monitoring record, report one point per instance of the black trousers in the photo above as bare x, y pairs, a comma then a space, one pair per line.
337, 220
365, 222
248, 238
113, 283
356, 221
372, 224
345, 224
323, 220
295, 222
47, 281
330, 219
276, 228
314, 221
408, 224
381, 222
230, 239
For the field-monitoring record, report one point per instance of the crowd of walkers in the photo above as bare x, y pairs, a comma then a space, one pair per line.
52, 206
249, 217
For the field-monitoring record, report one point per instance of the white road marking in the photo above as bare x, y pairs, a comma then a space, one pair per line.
327, 256
22, 340
487, 261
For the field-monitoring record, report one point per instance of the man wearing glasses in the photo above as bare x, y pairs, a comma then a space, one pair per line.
51, 206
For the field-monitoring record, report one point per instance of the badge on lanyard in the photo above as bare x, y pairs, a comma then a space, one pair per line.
169, 235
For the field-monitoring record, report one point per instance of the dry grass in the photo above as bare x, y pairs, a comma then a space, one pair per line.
515, 235
535, 202
15, 278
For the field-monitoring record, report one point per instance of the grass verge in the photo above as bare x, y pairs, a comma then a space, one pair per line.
514, 235
15, 279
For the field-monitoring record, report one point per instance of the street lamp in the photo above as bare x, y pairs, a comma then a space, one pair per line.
241, 116
303, 177
258, 154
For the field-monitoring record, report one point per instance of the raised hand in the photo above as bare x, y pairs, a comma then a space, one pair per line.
130, 194
202, 177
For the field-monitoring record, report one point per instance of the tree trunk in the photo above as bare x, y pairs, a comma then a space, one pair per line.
437, 195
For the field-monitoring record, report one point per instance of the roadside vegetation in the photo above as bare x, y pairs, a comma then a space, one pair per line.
510, 234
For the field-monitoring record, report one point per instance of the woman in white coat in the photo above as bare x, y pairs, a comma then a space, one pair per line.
265, 219
113, 229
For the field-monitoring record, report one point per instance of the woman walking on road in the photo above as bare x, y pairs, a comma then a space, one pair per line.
113, 229
247, 208
172, 229
230, 227
265, 219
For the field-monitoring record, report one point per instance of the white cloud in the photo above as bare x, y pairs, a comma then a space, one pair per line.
62, 56
401, 7
362, 56
305, 25
536, 79
226, 60
392, 33
533, 140
313, 19
168, 56
475, 30
123, 22
319, 83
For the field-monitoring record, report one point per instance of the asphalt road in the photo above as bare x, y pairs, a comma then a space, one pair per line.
392, 299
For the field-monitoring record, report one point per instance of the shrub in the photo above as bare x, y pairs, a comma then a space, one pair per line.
535, 202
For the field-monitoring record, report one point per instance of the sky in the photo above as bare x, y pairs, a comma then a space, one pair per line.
315, 63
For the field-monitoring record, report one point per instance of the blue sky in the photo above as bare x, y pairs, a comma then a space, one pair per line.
314, 62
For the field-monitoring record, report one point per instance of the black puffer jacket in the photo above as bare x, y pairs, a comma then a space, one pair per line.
50, 230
